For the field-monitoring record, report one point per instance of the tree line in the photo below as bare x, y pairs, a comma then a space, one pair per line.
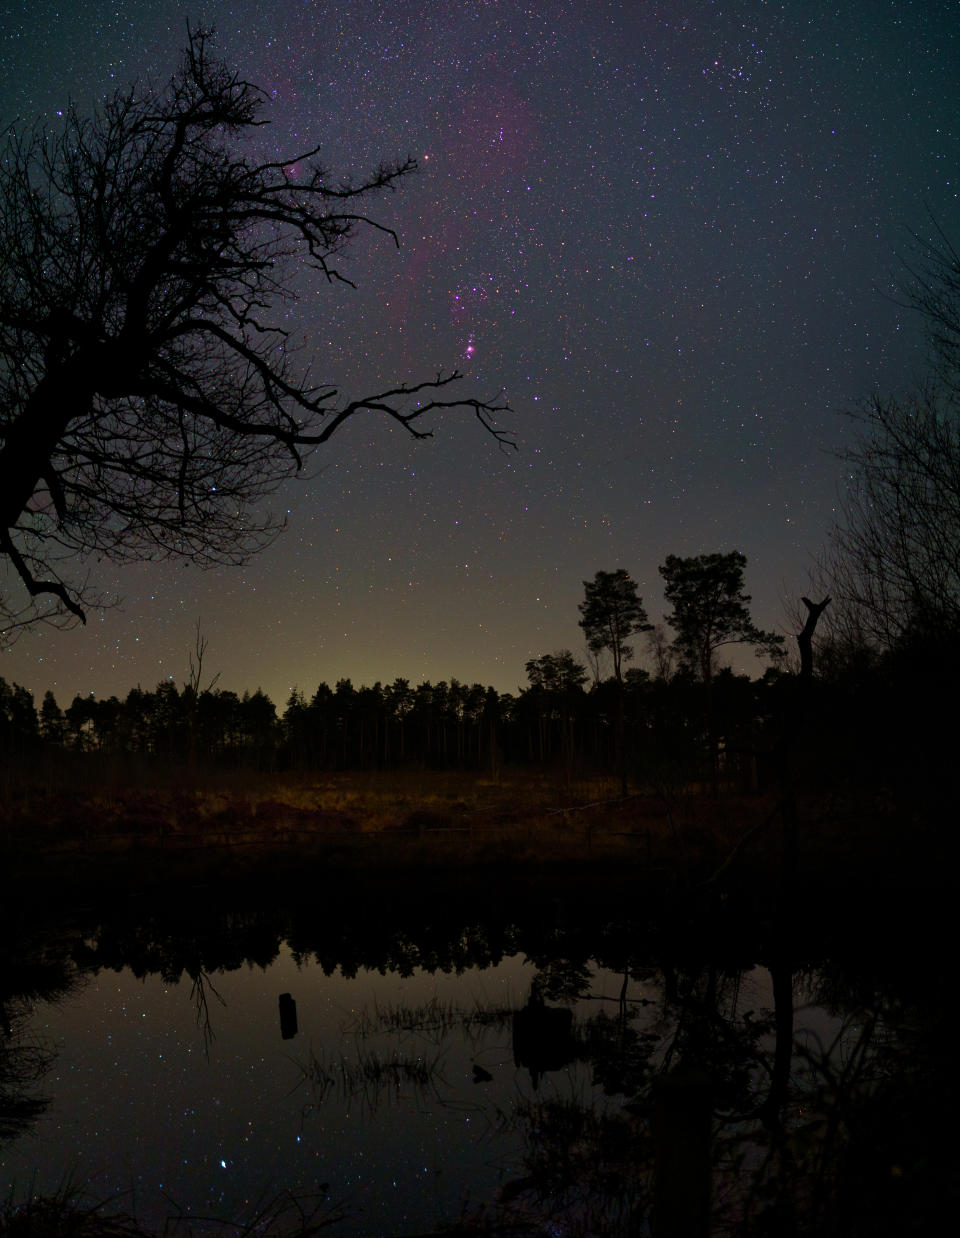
557, 722
674, 721
860, 724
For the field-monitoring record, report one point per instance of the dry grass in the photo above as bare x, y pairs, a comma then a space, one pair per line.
381, 821
292, 807
372, 821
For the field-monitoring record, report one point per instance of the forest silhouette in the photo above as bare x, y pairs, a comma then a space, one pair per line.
829, 763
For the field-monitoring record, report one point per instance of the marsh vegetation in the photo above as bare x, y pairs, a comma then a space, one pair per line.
498, 1068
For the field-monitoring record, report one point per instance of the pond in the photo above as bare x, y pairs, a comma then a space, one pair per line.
561, 1070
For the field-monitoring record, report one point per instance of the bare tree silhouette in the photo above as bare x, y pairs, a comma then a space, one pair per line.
894, 562
148, 400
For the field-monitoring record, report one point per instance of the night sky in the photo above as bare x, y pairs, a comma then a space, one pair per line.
671, 232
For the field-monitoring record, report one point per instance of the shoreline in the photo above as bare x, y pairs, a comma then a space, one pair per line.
206, 830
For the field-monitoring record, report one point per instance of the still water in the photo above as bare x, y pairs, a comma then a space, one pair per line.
184, 1096
219, 1071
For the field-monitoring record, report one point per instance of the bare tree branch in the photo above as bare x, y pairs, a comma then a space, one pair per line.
148, 401
896, 548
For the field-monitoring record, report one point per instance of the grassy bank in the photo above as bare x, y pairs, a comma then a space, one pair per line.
205, 826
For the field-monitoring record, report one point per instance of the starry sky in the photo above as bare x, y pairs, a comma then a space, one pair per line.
672, 232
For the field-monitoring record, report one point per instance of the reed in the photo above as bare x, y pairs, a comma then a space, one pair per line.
434, 1017
370, 1076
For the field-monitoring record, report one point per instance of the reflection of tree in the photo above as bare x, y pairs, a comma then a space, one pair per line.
23, 1063
542, 1036
562, 979
870, 1119
584, 1171
202, 986
26, 978
809, 1135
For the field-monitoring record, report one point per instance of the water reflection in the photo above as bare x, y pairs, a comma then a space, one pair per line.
288, 1016
576, 1076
